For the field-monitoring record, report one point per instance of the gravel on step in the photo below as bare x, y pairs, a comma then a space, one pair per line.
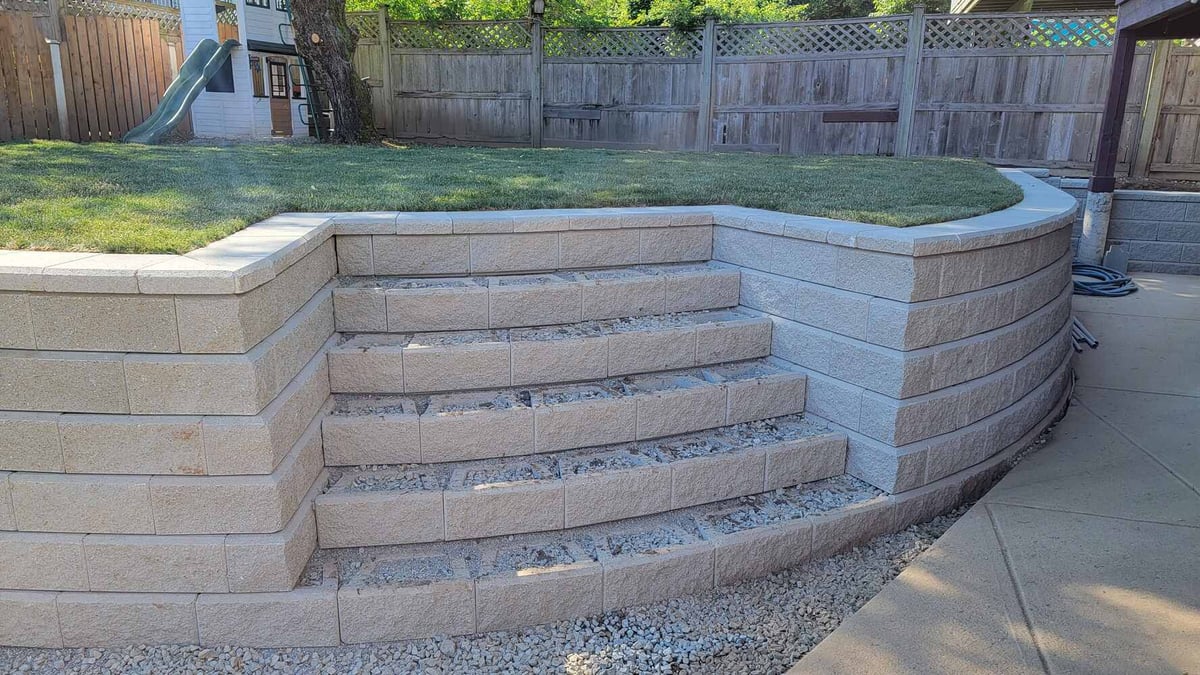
760, 626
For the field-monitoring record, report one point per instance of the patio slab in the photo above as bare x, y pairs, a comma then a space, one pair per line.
1082, 559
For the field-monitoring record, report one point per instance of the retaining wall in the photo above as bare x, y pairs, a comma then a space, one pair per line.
1159, 231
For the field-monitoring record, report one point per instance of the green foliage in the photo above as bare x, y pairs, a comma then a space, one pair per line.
888, 7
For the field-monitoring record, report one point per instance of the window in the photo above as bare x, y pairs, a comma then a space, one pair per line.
279, 79
282, 5
297, 81
256, 76
259, 3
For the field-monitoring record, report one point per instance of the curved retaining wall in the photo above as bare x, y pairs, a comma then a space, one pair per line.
160, 416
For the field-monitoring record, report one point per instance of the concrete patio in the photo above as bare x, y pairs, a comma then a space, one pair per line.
1084, 558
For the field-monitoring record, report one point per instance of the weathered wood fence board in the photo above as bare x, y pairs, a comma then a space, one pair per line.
115, 67
1009, 88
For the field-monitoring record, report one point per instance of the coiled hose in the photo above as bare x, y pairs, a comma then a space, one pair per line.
1102, 281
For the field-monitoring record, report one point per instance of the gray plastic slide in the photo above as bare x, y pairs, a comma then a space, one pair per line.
203, 63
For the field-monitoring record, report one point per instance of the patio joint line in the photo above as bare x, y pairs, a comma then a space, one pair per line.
1134, 391
1135, 444
1020, 593
1091, 515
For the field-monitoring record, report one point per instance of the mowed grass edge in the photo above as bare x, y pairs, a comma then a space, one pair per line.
117, 198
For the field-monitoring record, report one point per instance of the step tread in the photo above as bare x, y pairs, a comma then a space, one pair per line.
395, 283
605, 543
366, 341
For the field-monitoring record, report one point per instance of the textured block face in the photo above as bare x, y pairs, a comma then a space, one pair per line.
29, 619
359, 310
419, 255
500, 509
805, 460
614, 298
586, 423
30, 442
599, 248
16, 332
354, 255
766, 397
156, 564
406, 613
568, 360
618, 494
458, 308
70, 503
680, 411
305, 618
356, 519
474, 366
378, 369
676, 244
703, 480
498, 253
668, 573
135, 323
91, 382
131, 445
692, 292
383, 439
649, 351
534, 304
31, 560
477, 434
541, 596
116, 619
733, 341
749, 555
850, 527
272, 562
217, 385
7, 520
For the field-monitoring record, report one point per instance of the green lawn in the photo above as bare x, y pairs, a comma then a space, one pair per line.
171, 199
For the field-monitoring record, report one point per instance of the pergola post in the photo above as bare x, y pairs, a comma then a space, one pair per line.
1098, 206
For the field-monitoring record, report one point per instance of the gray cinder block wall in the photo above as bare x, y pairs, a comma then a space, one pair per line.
1159, 231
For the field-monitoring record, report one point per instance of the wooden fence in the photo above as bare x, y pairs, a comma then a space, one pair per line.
114, 61
1009, 88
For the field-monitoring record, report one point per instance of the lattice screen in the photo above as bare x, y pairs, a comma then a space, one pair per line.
227, 16
964, 31
366, 24
813, 38
460, 36
621, 43
167, 17
35, 6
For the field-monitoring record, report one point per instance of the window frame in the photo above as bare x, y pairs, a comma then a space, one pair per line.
258, 86
262, 4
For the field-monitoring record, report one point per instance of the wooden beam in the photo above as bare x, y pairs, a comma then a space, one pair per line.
837, 116
1151, 109
1104, 169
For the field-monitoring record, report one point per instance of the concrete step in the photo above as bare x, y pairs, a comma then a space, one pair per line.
420, 590
365, 430
391, 363
420, 503
396, 304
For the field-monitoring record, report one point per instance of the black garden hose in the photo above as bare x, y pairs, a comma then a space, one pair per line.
1102, 281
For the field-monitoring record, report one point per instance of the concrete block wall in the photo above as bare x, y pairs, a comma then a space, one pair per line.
160, 421
1159, 231
928, 346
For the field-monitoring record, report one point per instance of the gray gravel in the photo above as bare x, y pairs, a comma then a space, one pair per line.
761, 626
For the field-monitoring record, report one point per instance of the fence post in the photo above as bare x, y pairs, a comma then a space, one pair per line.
385, 47
1151, 107
54, 35
708, 55
908, 86
535, 82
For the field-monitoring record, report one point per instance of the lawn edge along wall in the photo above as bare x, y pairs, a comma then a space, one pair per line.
160, 440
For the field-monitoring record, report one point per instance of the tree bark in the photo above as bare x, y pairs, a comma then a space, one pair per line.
327, 44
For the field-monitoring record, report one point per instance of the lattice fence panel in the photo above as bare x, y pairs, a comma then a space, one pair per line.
33, 6
812, 38
366, 24
167, 17
964, 31
227, 16
461, 36
622, 43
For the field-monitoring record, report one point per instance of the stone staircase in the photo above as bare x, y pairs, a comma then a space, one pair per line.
519, 448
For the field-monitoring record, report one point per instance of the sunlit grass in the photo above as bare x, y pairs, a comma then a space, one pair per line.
171, 199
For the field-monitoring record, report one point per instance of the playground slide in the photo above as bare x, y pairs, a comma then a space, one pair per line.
203, 63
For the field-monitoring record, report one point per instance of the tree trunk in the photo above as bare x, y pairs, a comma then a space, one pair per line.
327, 44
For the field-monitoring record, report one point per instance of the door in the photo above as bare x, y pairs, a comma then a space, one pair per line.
281, 98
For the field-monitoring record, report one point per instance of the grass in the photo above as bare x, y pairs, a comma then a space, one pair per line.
171, 199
